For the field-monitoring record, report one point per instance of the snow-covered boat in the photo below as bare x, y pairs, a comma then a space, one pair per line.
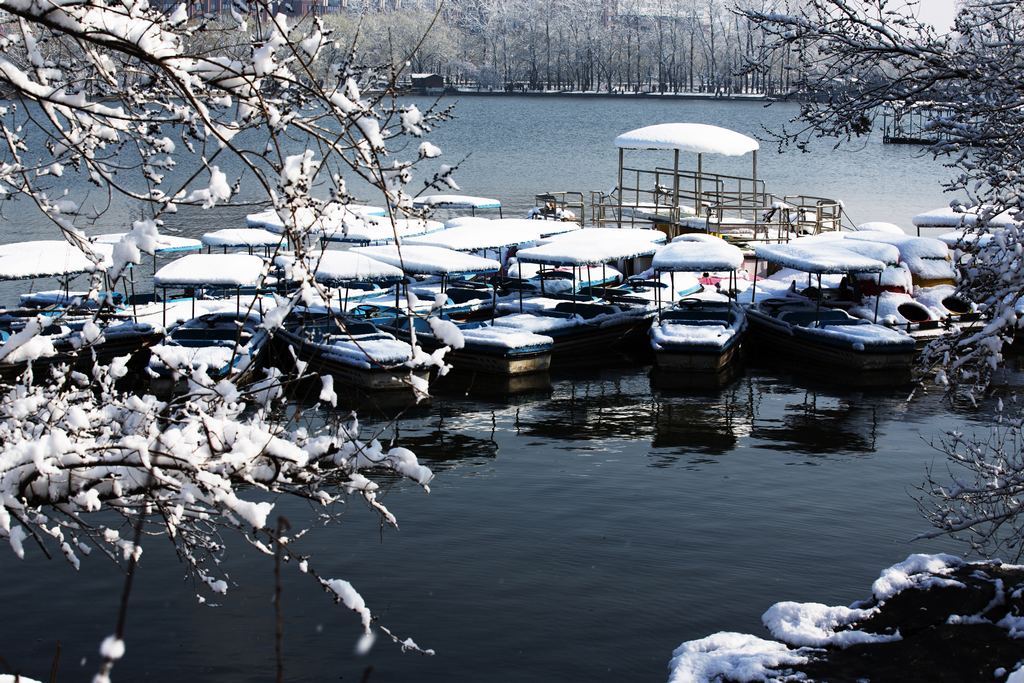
460, 202
225, 345
59, 327
801, 329
578, 323
354, 352
703, 333
213, 275
581, 328
475, 346
250, 239
309, 220
44, 342
443, 278
374, 230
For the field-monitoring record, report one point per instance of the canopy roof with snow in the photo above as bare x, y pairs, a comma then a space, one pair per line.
211, 270
834, 256
242, 237
699, 138
909, 245
322, 221
946, 217
479, 236
381, 229
44, 258
338, 268
696, 255
165, 244
593, 246
419, 259
455, 201
547, 228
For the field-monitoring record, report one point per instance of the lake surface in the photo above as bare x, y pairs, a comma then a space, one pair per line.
578, 531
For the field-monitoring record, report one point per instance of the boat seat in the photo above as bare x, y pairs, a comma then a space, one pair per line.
695, 315
459, 295
205, 334
585, 310
823, 318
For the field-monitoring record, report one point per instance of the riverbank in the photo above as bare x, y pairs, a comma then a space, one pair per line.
691, 96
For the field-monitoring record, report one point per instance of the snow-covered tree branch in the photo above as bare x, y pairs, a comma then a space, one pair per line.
150, 108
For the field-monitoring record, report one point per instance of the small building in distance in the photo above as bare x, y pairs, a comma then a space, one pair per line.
427, 84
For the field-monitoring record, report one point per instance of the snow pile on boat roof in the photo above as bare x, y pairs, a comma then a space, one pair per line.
477, 236
698, 255
880, 226
382, 229
546, 228
44, 258
699, 138
946, 217
832, 256
920, 247
592, 246
455, 201
164, 243
926, 257
422, 259
241, 237
339, 267
333, 219
213, 270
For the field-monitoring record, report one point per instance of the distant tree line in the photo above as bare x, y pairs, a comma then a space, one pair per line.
657, 46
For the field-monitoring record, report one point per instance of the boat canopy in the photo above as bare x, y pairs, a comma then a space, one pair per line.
165, 244
331, 220
44, 258
480, 236
546, 228
946, 217
593, 246
699, 138
242, 237
381, 229
339, 268
909, 245
211, 270
697, 255
880, 226
455, 201
422, 259
832, 256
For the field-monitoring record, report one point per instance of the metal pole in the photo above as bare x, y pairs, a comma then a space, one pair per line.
676, 211
622, 200
698, 189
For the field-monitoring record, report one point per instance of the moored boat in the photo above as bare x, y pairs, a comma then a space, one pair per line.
801, 329
475, 346
702, 333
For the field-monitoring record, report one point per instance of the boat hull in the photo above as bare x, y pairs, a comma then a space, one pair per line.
372, 379
798, 345
682, 359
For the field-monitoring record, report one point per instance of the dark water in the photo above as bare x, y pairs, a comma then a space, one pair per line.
579, 533
576, 532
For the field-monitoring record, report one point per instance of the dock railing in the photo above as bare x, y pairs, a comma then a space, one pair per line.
566, 200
